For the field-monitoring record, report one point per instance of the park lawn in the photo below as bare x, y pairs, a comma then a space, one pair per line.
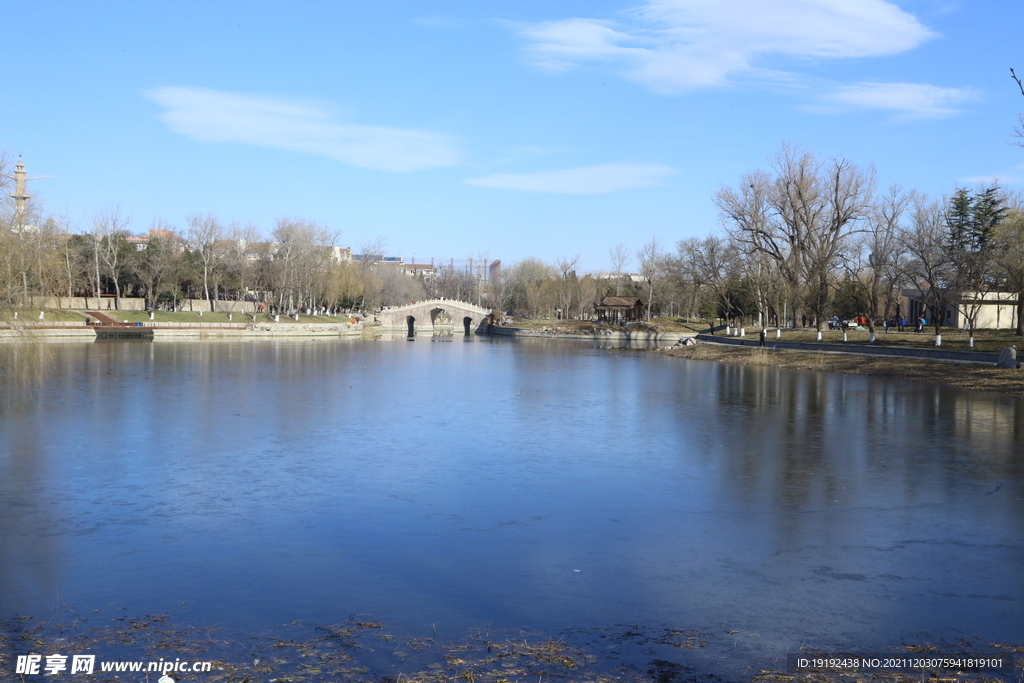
989, 341
52, 315
176, 317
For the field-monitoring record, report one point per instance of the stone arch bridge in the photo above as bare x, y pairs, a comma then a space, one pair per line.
435, 315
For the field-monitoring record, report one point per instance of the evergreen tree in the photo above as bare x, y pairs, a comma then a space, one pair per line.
959, 220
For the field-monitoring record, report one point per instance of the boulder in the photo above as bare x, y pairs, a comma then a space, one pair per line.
1007, 358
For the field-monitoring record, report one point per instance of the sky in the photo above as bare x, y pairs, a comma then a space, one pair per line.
497, 130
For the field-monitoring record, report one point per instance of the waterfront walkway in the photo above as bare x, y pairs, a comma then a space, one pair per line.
859, 349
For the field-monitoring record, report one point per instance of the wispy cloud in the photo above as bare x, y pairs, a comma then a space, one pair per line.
1014, 176
214, 116
674, 46
912, 100
587, 180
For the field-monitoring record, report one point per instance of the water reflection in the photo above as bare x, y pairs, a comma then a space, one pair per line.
465, 484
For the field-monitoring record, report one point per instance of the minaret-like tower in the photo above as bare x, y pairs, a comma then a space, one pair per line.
21, 195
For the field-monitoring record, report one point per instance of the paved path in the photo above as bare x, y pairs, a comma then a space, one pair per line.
102, 318
859, 349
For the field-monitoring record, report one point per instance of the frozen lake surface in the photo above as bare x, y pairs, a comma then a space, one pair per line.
538, 485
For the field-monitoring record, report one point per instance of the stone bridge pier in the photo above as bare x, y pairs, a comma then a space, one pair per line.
435, 315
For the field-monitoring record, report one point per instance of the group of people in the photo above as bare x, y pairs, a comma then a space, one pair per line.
835, 323
900, 323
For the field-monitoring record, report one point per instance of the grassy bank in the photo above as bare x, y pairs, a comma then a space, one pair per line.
962, 375
990, 341
50, 315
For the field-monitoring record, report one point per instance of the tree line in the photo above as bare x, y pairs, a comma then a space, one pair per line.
812, 237
804, 240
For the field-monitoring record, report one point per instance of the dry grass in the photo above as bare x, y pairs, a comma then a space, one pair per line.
963, 375
360, 650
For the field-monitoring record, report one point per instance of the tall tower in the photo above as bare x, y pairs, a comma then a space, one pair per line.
21, 195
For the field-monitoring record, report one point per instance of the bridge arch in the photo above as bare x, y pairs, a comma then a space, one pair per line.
423, 316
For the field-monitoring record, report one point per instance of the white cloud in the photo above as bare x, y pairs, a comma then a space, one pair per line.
1015, 176
214, 116
586, 180
673, 46
913, 100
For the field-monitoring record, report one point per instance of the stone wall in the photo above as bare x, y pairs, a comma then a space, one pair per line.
138, 304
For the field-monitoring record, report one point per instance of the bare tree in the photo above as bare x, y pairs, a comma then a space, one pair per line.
110, 228
75, 264
928, 266
204, 231
1019, 130
620, 259
682, 272
527, 287
568, 285
301, 259
712, 261
651, 262
878, 265
1008, 248
157, 264
587, 297
242, 259
801, 217
397, 288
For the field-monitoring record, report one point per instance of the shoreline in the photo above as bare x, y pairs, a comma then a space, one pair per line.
971, 375
959, 374
175, 332
594, 333
362, 649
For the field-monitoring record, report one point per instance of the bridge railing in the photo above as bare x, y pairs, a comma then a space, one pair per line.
451, 302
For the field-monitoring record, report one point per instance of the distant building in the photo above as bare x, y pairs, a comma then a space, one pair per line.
995, 310
425, 270
431, 268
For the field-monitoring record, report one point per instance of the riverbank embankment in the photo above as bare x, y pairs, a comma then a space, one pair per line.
949, 372
597, 331
70, 331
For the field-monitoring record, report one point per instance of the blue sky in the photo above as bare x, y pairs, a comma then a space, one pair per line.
498, 129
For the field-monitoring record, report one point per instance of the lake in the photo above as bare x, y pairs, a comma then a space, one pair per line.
542, 485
